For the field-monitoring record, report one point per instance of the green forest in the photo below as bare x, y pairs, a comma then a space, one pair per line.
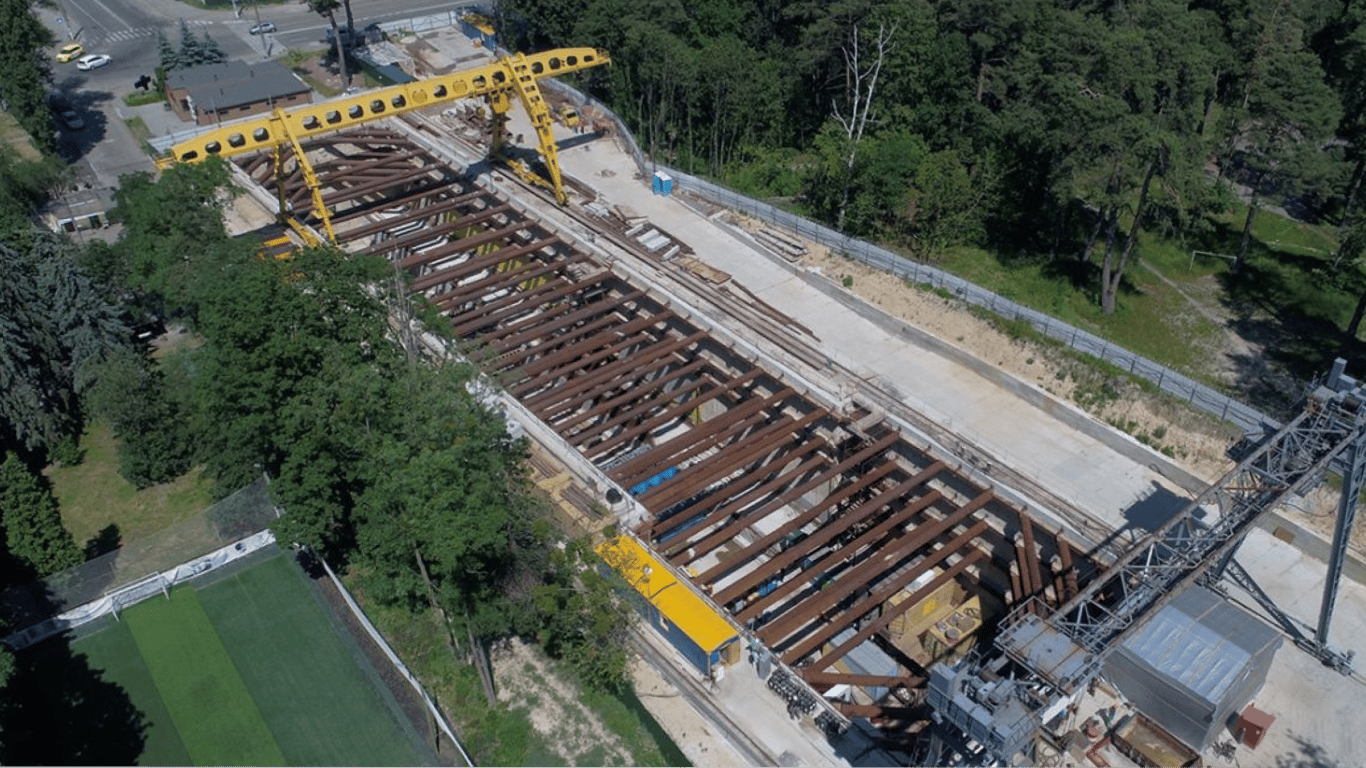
1061, 134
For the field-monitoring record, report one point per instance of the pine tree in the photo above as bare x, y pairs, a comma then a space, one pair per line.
191, 52
34, 533
167, 56
212, 52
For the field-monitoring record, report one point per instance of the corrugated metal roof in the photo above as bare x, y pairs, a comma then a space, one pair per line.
1200, 642
674, 600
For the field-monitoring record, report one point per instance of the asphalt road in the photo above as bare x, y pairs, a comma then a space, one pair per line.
126, 30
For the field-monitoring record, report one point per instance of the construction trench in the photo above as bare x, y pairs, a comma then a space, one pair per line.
811, 519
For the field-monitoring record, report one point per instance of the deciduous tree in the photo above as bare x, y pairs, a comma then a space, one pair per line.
328, 10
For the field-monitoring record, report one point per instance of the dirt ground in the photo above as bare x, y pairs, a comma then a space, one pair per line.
1195, 441
522, 675
1192, 439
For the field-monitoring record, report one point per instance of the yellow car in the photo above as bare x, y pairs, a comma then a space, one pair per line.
70, 52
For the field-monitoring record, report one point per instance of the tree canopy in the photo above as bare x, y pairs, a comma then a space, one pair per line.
1057, 129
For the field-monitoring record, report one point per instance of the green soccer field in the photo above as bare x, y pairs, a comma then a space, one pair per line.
250, 670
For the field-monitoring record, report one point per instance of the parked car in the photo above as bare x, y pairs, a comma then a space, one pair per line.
92, 61
262, 28
72, 120
69, 52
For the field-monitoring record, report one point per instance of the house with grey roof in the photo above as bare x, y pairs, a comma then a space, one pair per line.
212, 93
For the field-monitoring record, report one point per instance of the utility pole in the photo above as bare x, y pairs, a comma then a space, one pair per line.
265, 41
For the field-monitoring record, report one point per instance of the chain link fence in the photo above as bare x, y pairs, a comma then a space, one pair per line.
1246, 417
1206, 399
244, 513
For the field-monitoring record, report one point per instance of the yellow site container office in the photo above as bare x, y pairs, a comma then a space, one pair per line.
671, 607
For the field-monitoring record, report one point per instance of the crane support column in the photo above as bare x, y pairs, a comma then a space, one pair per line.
1352, 465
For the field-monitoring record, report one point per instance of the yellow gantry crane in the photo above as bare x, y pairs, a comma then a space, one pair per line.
498, 83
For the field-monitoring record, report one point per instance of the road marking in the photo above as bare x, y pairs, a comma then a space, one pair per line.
124, 35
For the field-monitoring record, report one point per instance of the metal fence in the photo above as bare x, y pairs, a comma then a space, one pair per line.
1206, 399
236, 517
1200, 396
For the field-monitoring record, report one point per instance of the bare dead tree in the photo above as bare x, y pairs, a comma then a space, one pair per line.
861, 86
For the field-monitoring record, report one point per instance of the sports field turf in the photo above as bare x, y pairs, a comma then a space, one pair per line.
249, 670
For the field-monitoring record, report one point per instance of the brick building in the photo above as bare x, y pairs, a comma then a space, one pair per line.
212, 93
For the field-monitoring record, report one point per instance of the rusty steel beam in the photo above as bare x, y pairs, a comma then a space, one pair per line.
922, 534
558, 319
870, 537
727, 533
473, 293
571, 410
342, 194
430, 232
610, 443
704, 474
427, 189
467, 319
717, 467
512, 281
889, 613
1027, 585
831, 500
419, 213
551, 391
491, 314
609, 321
341, 170
1035, 572
620, 369
637, 402
577, 350
774, 477
791, 555
962, 544
571, 340
1069, 570
575, 368
497, 281
648, 464
464, 244
821, 679
621, 383
861, 575
736, 422
598, 390
715, 390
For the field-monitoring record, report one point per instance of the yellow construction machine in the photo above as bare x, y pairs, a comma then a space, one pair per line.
497, 83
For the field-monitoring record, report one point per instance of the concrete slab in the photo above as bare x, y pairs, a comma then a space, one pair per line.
1319, 720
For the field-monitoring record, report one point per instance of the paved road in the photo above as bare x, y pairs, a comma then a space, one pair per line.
127, 29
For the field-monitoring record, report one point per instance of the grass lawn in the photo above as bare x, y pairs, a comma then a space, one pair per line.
116, 653
16, 138
194, 676
322, 710
249, 670
141, 133
93, 496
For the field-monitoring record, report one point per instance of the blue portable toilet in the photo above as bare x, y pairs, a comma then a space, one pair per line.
663, 183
